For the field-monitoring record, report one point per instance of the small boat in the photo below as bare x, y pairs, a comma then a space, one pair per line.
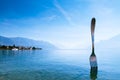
15, 49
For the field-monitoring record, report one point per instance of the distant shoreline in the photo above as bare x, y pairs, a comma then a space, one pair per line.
4, 47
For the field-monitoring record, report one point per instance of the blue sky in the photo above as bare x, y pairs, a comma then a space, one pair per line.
64, 23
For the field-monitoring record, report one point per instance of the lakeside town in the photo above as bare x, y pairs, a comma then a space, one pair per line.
14, 47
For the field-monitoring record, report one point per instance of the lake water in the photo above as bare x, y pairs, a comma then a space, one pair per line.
57, 65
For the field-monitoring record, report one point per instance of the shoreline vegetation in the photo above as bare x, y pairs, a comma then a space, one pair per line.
13, 47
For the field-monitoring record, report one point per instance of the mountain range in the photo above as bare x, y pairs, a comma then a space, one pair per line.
112, 44
20, 41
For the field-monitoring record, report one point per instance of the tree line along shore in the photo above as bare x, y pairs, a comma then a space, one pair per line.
13, 47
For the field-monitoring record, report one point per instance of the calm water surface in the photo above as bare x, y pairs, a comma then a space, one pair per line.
57, 65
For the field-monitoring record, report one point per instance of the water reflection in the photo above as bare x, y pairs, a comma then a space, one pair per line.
12, 53
7, 53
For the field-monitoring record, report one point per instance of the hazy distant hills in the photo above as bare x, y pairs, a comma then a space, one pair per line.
111, 44
19, 41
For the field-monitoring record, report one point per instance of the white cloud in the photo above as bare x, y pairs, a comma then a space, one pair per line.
64, 12
50, 18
